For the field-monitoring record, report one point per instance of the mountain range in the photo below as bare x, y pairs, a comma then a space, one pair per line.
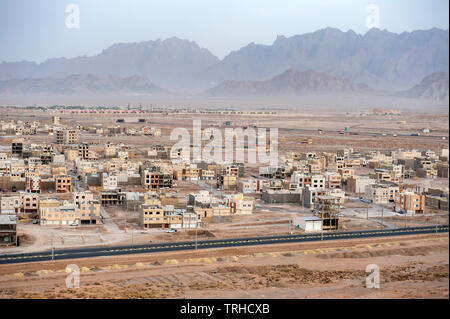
80, 84
325, 60
433, 87
290, 83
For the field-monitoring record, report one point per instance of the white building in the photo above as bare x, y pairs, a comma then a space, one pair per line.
308, 224
109, 182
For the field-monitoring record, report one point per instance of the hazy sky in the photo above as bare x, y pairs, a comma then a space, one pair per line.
36, 30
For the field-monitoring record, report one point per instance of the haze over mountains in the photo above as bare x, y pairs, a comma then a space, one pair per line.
432, 87
324, 61
291, 82
81, 84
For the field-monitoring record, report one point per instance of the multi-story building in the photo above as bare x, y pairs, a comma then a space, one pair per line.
63, 183
33, 184
112, 198
207, 174
410, 203
29, 202
83, 150
88, 212
109, 181
10, 205
110, 150
333, 180
17, 147
214, 213
239, 204
66, 136
153, 179
346, 172
226, 182
82, 197
318, 181
152, 216
249, 186
52, 212
8, 230
381, 192
357, 184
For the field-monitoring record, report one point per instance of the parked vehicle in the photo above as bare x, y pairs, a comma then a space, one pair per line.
171, 230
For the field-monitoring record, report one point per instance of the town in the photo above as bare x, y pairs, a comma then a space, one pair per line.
88, 176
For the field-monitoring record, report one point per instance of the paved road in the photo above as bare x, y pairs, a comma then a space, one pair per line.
363, 133
220, 243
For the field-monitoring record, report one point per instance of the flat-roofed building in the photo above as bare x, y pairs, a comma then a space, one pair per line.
29, 202
381, 192
63, 184
357, 184
9, 205
8, 230
66, 136
308, 224
82, 197
410, 203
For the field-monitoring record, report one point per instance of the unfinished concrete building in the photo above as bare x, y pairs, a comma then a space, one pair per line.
327, 208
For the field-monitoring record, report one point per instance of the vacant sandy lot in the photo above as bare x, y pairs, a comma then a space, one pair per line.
410, 267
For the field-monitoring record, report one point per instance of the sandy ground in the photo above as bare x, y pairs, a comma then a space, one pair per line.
410, 267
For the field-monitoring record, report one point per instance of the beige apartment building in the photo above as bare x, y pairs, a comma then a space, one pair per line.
357, 184
333, 180
63, 183
226, 182
410, 203
9, 204
71, 155
53, 213
214, 213
83, 150
207, 174
381, 193
57, 215
151, 216
29, 202
346, 173
66, 136
239, 204
82, 197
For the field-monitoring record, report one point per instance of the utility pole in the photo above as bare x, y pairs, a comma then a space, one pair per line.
53, 250
196, 227
436, 223
382, 219
367, 212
